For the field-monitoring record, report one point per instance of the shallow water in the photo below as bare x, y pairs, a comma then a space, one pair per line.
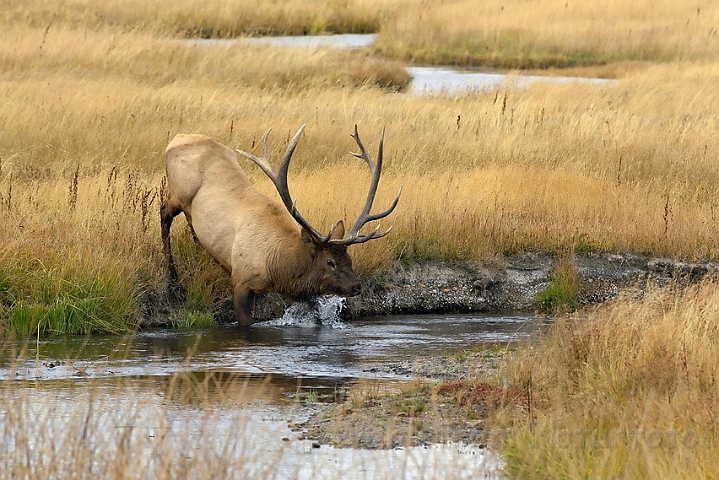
240, 441
454, 82
324, 350
255, 381
347, 40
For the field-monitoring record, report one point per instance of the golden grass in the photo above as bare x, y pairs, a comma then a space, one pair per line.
626, 391
198, 18
66, 53
546, 33
93, 91
513, 34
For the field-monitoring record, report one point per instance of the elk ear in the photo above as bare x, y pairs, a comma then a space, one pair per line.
338, 232
308, 239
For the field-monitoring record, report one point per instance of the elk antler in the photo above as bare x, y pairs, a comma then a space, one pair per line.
376, 170
279, 178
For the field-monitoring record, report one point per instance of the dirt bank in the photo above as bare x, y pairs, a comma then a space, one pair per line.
506, 283
513, 283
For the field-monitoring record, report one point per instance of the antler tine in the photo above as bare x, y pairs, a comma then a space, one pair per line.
372, 235
279, 179
264, 162
376, 170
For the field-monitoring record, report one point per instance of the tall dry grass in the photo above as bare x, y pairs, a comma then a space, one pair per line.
194, 18
512, 34
545, 33
626, 391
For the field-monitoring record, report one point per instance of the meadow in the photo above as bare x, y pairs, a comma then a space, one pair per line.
93, 96
92, 92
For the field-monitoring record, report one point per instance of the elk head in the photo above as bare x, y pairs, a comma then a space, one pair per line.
332, 265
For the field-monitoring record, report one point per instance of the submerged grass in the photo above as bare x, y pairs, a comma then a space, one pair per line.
190, 319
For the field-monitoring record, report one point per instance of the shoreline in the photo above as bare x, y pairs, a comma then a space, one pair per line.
506, 283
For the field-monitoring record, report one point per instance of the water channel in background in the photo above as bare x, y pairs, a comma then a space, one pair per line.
427, 81
346, 40
258, 375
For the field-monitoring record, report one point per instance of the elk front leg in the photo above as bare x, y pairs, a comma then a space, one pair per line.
244, 299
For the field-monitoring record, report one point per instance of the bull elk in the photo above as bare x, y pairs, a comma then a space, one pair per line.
263, 245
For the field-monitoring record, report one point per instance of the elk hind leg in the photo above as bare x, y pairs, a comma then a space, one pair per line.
167, 214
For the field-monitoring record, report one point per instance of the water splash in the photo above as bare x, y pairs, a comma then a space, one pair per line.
319, 311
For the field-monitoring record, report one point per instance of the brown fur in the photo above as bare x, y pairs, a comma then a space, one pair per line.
251, 235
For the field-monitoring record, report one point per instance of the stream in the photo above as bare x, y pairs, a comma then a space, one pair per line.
264, 378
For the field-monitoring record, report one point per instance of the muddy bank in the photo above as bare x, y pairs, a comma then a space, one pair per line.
512, 283
506, 283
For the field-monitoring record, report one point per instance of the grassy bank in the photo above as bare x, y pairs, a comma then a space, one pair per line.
627, 391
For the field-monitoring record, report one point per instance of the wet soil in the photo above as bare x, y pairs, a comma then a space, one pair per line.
446, 403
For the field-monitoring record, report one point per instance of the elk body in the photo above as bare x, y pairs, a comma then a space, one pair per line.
264, 245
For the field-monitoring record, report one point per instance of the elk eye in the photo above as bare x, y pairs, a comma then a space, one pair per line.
331, 263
